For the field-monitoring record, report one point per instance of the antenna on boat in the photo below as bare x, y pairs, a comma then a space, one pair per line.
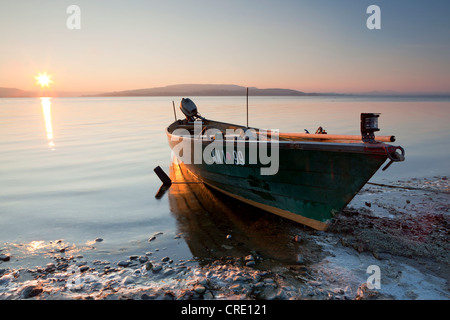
247, 107
174, 112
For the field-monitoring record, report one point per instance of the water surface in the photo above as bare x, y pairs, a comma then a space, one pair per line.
78, 169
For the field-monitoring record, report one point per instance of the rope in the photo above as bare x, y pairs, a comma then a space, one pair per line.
408, 188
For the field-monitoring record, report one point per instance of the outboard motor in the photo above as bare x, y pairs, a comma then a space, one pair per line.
189, 109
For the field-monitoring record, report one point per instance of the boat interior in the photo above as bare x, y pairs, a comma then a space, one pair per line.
211, 130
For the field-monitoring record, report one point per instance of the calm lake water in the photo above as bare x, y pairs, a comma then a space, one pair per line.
78, 169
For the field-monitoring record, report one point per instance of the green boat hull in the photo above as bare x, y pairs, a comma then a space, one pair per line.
314, 181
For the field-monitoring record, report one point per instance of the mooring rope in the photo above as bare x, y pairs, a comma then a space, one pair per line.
408, 188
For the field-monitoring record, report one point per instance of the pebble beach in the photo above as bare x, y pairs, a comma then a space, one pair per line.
402, 231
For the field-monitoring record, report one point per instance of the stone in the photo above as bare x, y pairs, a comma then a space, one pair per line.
148, 266
156, 268
314, 283
148, 297
168, 272
4, 257
4, 280
277, 295
30, 291
123, 263
128, 280
236, 287
199, 289
84, 268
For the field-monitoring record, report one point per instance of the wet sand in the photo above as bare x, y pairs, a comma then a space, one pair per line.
223, 249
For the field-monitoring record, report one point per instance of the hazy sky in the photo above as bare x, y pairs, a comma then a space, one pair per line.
312, 46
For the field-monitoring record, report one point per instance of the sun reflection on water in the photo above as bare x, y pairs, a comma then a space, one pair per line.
47, 111
34, 246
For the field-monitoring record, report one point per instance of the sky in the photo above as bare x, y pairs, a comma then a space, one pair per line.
310, 45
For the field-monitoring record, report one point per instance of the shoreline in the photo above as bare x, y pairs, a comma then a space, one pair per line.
404, 232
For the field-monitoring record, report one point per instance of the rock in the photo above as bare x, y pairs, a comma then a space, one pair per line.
411, 295
4, 280
128, 280
314, 283
204, 282
208, 295
364, 293
236, 287
229, 236
156, 268
50, 267
249, 258
250, 263
277, 295
62, 266
148, 266
300, 259
199, 289
98, 240
168, 296
165, 259
143, 259
168, 272
148, 297
154, 236
297, 238
30, 291
84, 268
134, 257
123, 263
4, 257
259, 285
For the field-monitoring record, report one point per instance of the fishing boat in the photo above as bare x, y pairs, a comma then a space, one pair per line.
307, 178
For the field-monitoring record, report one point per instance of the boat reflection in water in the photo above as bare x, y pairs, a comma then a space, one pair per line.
216, 226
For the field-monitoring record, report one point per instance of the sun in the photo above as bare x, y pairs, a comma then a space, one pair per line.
43, 79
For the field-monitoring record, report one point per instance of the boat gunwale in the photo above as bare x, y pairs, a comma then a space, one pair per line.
379, 148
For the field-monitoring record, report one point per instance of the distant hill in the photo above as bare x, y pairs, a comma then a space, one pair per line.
15, 93
18, 93
193, 90
203, 90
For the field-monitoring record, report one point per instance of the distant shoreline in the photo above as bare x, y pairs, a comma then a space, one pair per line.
210, 90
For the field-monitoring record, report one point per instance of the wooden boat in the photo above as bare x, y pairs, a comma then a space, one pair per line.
317, 174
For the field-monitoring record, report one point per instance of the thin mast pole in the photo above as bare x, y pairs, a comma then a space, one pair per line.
174, 112
247, 107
